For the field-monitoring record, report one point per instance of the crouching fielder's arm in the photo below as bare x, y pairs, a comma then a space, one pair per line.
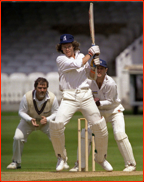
23, 109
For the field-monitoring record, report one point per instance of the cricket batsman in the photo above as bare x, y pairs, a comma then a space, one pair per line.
73, 71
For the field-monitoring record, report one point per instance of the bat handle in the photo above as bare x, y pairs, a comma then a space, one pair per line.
95, 55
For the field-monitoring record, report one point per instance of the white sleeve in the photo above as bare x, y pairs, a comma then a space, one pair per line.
88, 68
23, 109
110, 95
66, 64
54, 110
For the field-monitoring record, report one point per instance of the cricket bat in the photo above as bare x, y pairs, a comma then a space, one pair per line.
91, 24
92, 31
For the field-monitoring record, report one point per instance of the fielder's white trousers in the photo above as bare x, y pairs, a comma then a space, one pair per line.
124, 145
22, 132
118, 125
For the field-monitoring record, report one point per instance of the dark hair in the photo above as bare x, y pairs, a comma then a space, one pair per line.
75, 44
40, 80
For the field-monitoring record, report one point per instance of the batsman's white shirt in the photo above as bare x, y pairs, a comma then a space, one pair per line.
107, 94
72, 75
76, 94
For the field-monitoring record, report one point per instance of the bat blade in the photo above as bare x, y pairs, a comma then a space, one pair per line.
91, 24
92, 31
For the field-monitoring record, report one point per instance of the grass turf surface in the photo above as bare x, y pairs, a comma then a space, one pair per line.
38, 153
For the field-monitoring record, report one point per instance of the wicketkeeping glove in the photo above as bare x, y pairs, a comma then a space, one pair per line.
94, 50
97, 101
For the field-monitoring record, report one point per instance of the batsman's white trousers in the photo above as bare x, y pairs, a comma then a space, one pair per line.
78, 100
22, 132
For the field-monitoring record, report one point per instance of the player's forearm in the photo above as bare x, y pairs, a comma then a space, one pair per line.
51, 117
24, 116
105, 103
23, 109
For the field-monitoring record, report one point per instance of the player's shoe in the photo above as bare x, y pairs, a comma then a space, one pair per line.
14, 165
106, 165
66, 166
75, 168
129, 168
60, 164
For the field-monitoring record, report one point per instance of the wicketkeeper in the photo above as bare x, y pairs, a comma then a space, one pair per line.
73, 71
106, 98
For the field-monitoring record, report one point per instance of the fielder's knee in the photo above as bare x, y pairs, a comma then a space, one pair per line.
19, 136
120, 136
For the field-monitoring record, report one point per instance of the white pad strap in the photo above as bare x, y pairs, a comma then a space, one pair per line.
101, 139
125, 148
58, 138
120, 136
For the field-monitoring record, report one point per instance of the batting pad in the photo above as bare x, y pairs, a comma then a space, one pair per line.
58, 138
101, 139
125, 148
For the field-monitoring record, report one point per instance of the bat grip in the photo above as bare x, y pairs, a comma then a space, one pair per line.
95, 55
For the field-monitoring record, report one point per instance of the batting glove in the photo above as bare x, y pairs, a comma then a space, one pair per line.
94, 50
96, 60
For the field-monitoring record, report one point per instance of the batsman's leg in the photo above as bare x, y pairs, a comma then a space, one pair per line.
58, 142
99, 129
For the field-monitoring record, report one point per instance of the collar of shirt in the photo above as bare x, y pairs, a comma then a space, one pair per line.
76, 53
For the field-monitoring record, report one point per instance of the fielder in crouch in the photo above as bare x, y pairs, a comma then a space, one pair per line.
106, 98
37, 108
73, 71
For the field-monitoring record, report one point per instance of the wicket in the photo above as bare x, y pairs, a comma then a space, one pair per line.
86, 145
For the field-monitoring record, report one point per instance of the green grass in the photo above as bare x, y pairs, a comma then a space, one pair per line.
38, 153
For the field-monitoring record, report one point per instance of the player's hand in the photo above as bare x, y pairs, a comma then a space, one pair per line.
96, 60
34, 123
97, 101
43, 120
94, 50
